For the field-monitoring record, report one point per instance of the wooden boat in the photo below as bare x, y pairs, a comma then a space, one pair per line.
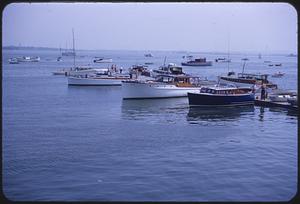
245, 80
221, 96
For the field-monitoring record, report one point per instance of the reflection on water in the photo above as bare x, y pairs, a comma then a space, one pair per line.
283, 110
199, 114
168, 110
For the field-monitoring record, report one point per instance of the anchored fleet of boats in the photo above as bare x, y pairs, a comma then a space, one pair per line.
169, 81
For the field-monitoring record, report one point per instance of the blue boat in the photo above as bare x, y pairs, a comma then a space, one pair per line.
221, 96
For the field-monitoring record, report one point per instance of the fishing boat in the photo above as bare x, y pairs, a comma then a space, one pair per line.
197, 62
102, 60
13, 61
245, 80
221, 96
99, 79
28, 59
171, 68
278, 75
163, 86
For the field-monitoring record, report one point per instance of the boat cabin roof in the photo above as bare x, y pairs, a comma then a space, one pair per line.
224, 90
260, 76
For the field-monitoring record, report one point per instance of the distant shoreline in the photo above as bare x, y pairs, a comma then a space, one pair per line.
146, 51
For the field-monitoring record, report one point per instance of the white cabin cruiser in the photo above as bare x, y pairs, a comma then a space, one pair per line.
164, 86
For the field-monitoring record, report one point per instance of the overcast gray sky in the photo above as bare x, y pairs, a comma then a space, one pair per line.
257, 27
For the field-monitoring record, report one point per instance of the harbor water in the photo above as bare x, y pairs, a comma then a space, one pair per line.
68, 143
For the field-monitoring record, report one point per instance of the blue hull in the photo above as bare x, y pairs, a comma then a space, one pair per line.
220, 100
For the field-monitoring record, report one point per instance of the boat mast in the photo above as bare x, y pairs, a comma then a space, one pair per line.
73, 47
228, 53
165, 60
244, 66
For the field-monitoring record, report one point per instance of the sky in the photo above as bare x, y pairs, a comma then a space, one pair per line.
203, 27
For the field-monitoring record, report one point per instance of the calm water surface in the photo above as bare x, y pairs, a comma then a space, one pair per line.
65, 143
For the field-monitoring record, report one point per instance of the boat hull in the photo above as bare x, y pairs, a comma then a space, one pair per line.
202, 99
78, 81
133, 90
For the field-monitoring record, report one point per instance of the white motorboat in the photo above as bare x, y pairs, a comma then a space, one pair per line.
164, 86
102, 60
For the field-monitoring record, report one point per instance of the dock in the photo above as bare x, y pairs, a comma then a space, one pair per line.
268, 103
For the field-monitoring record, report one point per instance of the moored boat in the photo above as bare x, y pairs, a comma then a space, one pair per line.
164, 86
245, 80
197, 62
13, 61
221, 96
102, 60
171, 68
222, 60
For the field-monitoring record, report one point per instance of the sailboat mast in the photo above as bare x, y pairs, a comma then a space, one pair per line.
73, 47
228, 53
165, 60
